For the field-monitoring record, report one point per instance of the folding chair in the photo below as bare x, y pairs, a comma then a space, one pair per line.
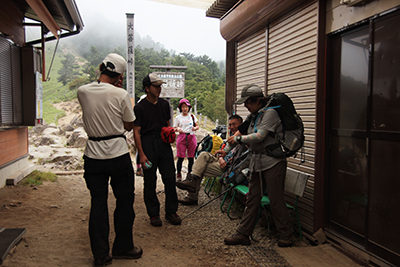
223, 200
243, 189
296, 183
209, 185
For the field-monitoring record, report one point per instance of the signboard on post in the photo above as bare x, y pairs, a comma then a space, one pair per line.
174, 86
130, 79
39, 98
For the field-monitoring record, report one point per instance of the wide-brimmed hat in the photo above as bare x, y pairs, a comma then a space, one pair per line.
184, 101
114, 63
152, 79
249, 91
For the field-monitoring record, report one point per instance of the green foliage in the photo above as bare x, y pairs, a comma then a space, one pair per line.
204, 78
69, 70
214, 107
51, 114
91, 71
74, 85
37, 178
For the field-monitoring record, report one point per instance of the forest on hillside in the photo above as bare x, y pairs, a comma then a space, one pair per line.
76, 61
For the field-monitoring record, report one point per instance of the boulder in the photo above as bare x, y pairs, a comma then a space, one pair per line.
78, 138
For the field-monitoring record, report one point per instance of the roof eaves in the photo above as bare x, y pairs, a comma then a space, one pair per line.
220, 7
74, 13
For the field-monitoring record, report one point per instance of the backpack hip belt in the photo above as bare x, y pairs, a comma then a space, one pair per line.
258, 151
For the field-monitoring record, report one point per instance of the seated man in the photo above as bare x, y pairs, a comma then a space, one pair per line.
210, 165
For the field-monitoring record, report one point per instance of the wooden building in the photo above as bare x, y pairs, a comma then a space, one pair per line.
21, 70
339, 62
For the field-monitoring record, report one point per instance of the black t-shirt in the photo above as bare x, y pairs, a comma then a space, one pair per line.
152, 117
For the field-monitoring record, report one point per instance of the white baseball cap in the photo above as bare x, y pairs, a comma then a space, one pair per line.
115, 63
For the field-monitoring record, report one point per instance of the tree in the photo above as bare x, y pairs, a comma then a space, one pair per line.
214, 107
69, 71
91, 71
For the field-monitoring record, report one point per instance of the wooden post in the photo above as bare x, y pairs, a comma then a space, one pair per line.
130, 54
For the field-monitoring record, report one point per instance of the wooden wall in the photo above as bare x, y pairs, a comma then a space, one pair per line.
11, 19
13, 144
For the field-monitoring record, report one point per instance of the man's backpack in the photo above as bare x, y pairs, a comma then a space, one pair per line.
293, 128
210, 143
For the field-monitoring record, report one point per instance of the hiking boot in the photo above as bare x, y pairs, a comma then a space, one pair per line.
285, 242
103, 261
173, 218
135, 253
189, 184
187, 201
179, 177
156, 221
237, 239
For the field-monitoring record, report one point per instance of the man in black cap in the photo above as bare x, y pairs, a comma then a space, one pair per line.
107, 114
152, 114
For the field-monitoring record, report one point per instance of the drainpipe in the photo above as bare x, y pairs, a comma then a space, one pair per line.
51, 38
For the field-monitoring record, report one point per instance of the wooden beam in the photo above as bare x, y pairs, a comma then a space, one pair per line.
44, 15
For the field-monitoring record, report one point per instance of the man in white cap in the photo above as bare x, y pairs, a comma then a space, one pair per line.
107, 114
152, 114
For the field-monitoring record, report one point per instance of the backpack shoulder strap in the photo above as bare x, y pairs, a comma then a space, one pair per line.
261, 112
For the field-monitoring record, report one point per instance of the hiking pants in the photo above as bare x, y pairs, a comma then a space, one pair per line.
206, 164
273, 180
97, 174
186, 142
161, 156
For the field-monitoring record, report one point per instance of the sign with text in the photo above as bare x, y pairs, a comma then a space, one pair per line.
130, 79
174, 86
39, 96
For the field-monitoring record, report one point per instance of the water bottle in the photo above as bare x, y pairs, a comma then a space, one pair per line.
148, 165
191, 127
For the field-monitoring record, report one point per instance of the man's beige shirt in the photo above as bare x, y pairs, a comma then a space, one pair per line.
105, 107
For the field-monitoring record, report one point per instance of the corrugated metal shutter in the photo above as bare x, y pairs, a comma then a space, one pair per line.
250, 65
10, 84
292, 69
5, 82
16, 84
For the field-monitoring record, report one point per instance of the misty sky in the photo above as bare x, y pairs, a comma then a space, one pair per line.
178, 28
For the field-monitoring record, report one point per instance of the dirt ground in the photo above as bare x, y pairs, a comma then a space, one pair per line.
56, 214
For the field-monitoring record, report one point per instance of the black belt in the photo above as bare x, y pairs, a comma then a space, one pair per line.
106, 137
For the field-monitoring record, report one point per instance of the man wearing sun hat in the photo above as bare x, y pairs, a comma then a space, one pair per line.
152, 114
267, 173
107, 114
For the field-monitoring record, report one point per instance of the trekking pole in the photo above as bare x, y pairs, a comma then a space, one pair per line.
205, 204
240, 178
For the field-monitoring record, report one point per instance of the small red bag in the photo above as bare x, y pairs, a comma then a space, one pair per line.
168, 134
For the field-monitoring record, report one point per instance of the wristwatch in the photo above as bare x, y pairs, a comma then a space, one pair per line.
239, 139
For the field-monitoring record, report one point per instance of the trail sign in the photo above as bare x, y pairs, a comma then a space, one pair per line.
174, 86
